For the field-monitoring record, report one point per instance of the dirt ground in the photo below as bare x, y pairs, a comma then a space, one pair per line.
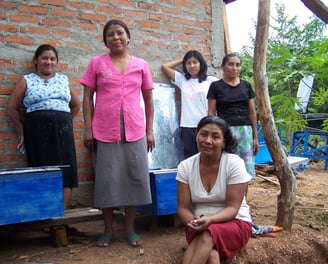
164, 242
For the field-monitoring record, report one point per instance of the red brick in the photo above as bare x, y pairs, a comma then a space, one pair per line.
19, 40
159, 17
81, 6
56, 43
171, 11
8, 63
109, 10
148, 24
2, 16
182, 22
33, 9
151, 7
55, 22
125, 3
8, 5
53, 2
24, 18
64, 13
85, 26
5, 90
136, 14
81, 45
93, 17
13, 78
35, 30
61, 33
9, 28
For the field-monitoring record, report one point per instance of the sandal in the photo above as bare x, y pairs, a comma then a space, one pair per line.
105, 240
134, 240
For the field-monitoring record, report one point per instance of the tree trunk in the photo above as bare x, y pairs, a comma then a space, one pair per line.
287, 180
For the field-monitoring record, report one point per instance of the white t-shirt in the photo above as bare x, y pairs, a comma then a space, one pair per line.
232, 170
193, 98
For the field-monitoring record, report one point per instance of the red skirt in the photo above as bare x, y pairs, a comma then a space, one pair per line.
229, 237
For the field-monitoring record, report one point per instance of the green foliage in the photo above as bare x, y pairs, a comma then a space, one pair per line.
294, 51
288, 119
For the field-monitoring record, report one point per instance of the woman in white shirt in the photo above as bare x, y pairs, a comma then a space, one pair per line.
211, 196
193, 84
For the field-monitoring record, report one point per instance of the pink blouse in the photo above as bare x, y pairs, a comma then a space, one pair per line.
115, 91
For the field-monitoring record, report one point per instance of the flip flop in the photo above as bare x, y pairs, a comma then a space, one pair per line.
134, 240
105, 240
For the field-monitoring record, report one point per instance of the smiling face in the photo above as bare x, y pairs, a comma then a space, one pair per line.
116, 39
193, 67
232, 67
46, 63
210, 140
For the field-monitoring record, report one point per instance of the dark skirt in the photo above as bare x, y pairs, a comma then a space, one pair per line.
49, 141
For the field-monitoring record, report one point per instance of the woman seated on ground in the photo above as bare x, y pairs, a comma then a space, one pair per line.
211, 196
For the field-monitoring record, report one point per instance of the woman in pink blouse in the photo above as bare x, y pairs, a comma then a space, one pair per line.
115, 129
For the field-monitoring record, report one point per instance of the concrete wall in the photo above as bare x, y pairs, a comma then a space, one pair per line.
161, 30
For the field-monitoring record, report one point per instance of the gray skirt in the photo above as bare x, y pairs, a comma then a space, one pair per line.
122, 174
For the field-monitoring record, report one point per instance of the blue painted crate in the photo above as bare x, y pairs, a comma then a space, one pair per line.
164, 193
30, 194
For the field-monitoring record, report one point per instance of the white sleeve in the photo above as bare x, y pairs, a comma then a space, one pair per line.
182, 173
178, 79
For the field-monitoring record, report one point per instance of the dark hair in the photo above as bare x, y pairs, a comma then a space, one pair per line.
203, 66
115, 22
228, 56
42, 48
230, 141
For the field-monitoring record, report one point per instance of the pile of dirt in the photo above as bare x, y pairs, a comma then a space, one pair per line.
306, 243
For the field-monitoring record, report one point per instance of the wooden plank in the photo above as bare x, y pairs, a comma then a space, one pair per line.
318, 8
267, 179
71, 216
57, 225
227, 45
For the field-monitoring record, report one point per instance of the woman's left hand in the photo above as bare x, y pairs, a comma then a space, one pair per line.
255, 146
150, 142
199, 224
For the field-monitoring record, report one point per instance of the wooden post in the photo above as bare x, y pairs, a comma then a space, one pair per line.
227, 46
287, 180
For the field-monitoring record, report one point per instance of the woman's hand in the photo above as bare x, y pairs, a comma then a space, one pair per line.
150, 142
88, 139
255, 146
20, 145
199, 224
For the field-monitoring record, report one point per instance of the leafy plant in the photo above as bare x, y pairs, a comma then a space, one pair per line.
294, 51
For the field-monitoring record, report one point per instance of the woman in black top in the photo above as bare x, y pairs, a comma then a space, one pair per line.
232, 99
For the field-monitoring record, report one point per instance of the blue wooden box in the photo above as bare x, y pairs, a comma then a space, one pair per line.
164, 193
30, 194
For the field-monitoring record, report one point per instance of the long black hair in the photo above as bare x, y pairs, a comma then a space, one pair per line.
230, 141
202, 75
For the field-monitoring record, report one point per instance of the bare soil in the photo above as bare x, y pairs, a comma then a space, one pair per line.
164, 242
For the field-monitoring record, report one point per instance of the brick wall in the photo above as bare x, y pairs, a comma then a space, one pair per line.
161, 30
